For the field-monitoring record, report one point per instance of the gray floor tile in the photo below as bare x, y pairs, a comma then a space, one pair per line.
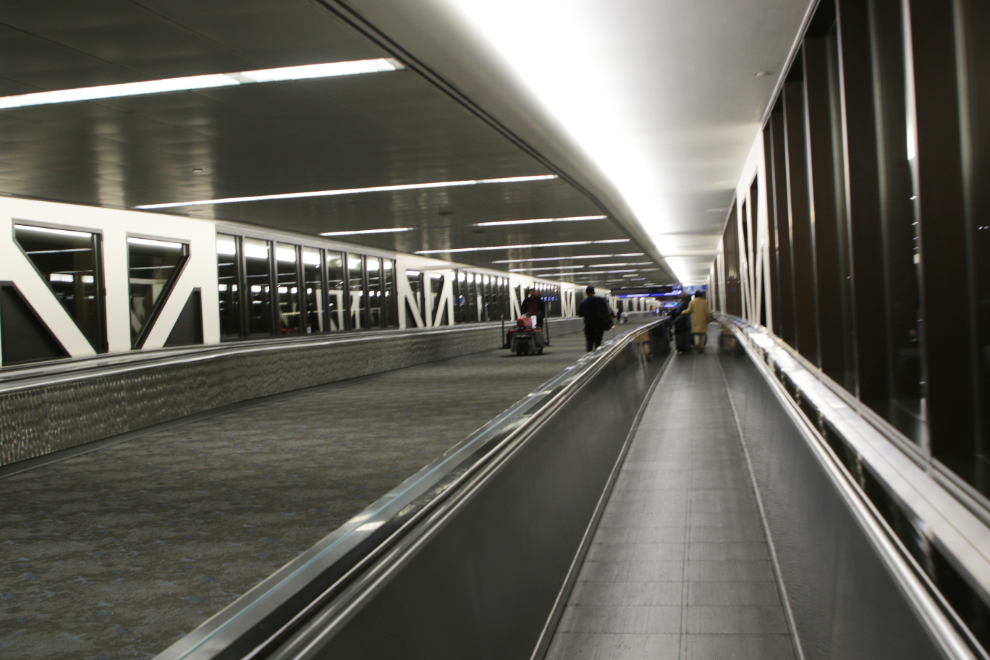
720, 551
620, 619
574, 646
636, 551
680, 545
723, 534
638, 647
738, 647
627, 593
735, 619
733, 593
729, 571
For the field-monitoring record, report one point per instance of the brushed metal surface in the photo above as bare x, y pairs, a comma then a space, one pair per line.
845, 601
480, 578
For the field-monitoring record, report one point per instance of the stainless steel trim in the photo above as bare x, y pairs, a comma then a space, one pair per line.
962, 536
470, 462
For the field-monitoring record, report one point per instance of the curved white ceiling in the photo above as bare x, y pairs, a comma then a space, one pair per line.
661, 94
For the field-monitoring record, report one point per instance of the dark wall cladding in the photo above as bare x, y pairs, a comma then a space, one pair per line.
24, 337
879, 218
42, 419
733, 276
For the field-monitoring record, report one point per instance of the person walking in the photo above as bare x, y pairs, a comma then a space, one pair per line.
682, 324
534, 306
700, 318
597, 318
618, 312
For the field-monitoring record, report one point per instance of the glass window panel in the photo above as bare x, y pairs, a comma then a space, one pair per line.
152, 268
436, 288
415, 279
472, 296
228, 276
257, 270
312, 262
391, 300
69, 262
373, 266
286, 266
336, 305
355, 277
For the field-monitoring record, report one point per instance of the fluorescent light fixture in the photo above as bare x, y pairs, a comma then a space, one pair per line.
638, 263
56, 232
165, 245
285, 253
226, 246
577, 218
61, 277
586, 256
523, 247
350, 191
533, 270
208, 81
388, 230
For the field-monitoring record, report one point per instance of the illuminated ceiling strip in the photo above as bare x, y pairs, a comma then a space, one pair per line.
209, 81
522, 247
349, 191
390, 230
585, 256
533, 270
577, 218
56, 232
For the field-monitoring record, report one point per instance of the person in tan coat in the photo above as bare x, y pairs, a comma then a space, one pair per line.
700, 318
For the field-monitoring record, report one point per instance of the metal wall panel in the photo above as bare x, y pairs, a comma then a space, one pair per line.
844, 601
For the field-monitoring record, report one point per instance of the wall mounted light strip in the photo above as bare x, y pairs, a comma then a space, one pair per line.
349, 191
522, 247
209, 81
578, 218
583, 256
390, 230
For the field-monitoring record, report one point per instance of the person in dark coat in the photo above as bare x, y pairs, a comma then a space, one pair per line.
597, 318
534, 306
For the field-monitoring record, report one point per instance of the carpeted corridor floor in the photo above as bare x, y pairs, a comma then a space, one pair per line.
120, 552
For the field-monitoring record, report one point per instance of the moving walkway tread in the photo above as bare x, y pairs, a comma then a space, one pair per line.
679, 565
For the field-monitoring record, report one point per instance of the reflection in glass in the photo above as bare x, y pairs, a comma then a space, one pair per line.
257, 269
228, 270
313, 281
336, 305
374, 293
69, 262
286, 261
472, 299
355, 277
391, 300
152, 267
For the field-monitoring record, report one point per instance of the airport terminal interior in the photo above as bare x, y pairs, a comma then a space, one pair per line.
452, 329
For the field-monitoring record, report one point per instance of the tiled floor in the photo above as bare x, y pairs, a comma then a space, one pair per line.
679, 566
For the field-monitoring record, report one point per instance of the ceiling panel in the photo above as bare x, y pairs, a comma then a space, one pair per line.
348, 132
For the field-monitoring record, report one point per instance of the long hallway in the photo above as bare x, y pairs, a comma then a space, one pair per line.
679, 565
121, 551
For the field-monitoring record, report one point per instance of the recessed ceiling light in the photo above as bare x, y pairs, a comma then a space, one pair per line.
579, 218
522, 247
388, 230
197, 170
584, 256
209, 81
532, 270
351, 191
